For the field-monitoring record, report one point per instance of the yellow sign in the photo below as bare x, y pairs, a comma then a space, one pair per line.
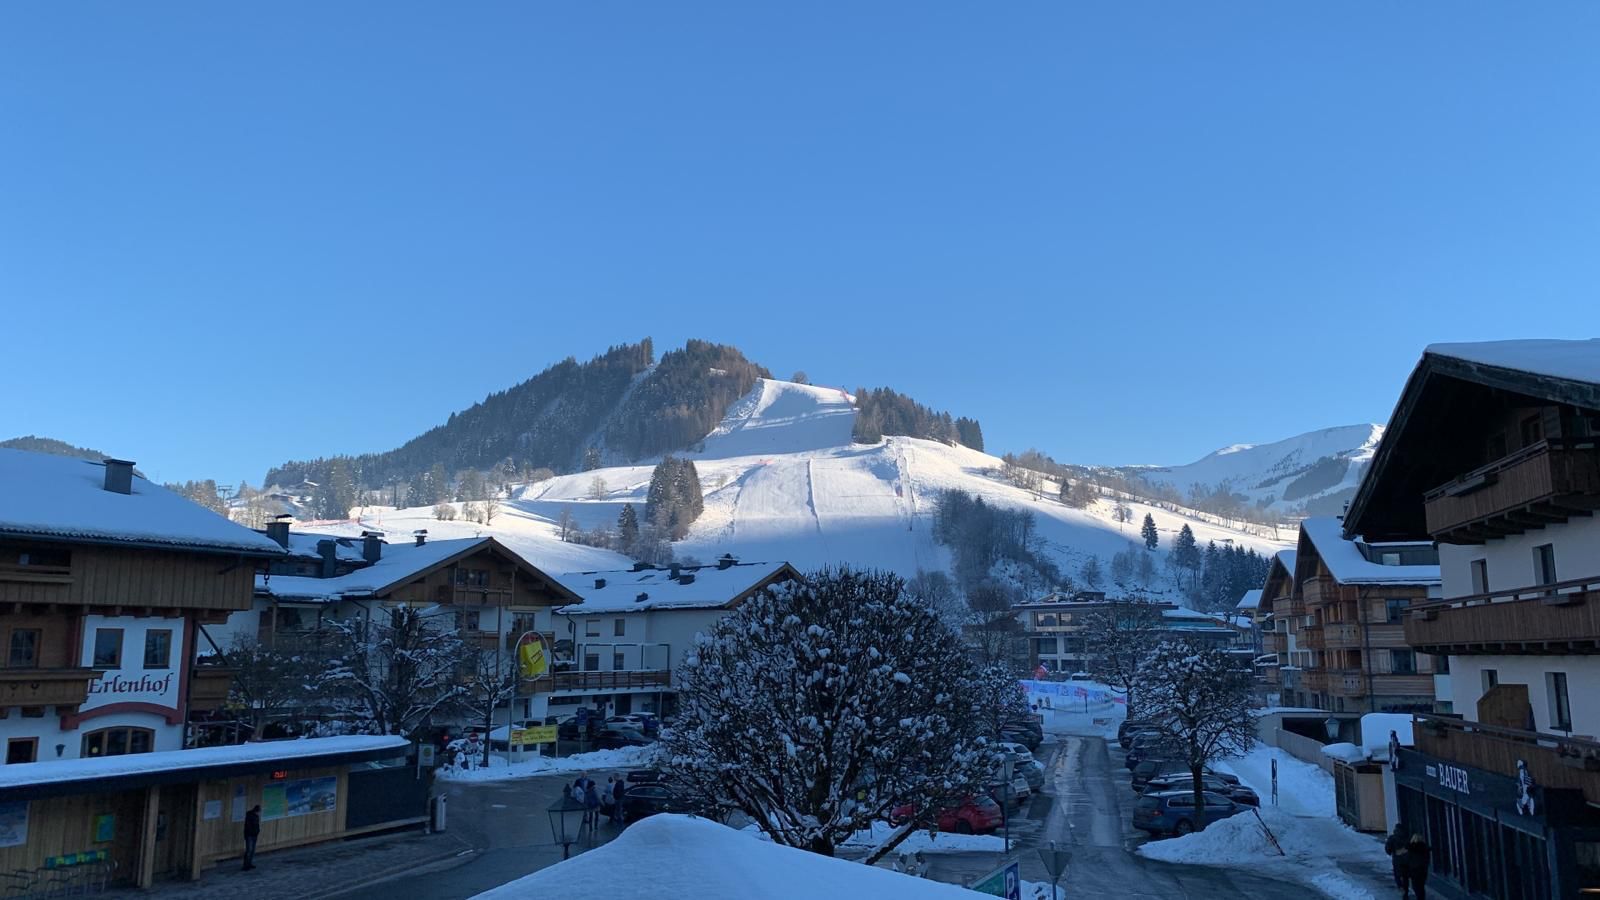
531, 658
538, 734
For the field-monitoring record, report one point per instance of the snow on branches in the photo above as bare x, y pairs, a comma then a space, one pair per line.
390, 673
821, 705
1201, 696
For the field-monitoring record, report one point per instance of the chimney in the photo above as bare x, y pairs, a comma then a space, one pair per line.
421, 535
641, 566
371, 546
686, 578
119, 476
641, 598
278, 530
329, 553
726, 561
599, 583
677, 569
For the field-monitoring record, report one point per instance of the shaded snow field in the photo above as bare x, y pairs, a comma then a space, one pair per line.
500, 770
783, 481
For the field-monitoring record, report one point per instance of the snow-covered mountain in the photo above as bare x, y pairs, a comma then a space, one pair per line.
1313, 473
783, 480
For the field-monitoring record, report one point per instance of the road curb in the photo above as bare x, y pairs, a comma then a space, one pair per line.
460, 850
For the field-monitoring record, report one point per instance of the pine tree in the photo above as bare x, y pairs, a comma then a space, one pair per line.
591, 459
439, 483
969, 433
1186, 551
628, 530
1151, 536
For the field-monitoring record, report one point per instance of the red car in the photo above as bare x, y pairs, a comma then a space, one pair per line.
977, 815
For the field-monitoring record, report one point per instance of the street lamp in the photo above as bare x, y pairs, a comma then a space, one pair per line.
1333, 728
566, 822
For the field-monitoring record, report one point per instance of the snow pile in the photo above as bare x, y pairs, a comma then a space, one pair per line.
500, 770
1304, 789
1311, 849
680, 856
923, 842
1344, 752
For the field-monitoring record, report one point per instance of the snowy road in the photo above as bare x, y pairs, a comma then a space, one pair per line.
1092, 812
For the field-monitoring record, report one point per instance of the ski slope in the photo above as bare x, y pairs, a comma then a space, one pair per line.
782, 480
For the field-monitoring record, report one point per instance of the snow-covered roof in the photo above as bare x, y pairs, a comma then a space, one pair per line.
304, 751
1348, 566
1344, 752
710, 588
400, 563
681, 856
304, 544
63, 498
1286, 559
1577, 360
1250, 600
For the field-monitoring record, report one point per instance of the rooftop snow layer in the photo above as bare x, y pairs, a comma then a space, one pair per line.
711, 588
304, 544
1286, 558
21, 775
399, 562
1343, 558
1572, 360
1250, 600
680, 856
65, 498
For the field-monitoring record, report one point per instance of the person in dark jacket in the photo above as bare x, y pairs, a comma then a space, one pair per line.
1395, 846
1418, 855
617, 791
591, 801
252, 830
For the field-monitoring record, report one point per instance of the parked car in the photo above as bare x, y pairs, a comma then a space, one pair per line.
643, 722
645, 800
1130, 727
1020, 791
612, 737
1160, 747
1023, 763
645, 776
977, 815
1208, 782
1174, 812
1167, 767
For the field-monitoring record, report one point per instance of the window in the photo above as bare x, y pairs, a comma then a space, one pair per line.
1045, 646
469, 620
1389, 558
1403, 662
619, 627
1555, 684
158, 648
1044, 620
1544, 564
1441, 665
35, 558
108, 648
1395, 607
617, 662
591, 661
591, 627
1480, 576
22, 750
1491, 677
1532, 431
472, 578
118, 742
24, 651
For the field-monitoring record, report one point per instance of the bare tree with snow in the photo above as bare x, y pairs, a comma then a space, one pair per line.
1201, 696
389, 674
491, 685
491, 507
818, 707
1119, 639
265, 679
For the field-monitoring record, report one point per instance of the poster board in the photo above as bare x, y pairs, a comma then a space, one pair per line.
287, 799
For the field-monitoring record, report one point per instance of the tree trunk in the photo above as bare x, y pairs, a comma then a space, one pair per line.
821, 845
894, 840
1199, 795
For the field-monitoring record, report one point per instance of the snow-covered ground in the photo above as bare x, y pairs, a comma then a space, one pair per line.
1095, 712
679, 856
500, 770
1313, 841
923, 842
783, 481
1264, 472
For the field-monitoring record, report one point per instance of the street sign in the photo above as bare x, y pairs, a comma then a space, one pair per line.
425, 755
1005, 881
1055, 861
537, 734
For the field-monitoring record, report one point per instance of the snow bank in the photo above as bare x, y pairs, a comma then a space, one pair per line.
1304, 789
500, 770
1344, 752
680, 856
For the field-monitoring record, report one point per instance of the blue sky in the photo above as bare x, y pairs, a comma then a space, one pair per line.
1120, 232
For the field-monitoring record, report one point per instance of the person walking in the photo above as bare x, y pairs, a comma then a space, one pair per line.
252, 831
608, 799
1395, 846
619, 790
1418, 855
591, 802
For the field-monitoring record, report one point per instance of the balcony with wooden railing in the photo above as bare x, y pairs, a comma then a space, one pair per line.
45, 687
1341, 635
1319, 590
209, 686
1554, 761
623, 680
1311, 637
1273, 642
1553, 618
1314, 680
1542, 484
